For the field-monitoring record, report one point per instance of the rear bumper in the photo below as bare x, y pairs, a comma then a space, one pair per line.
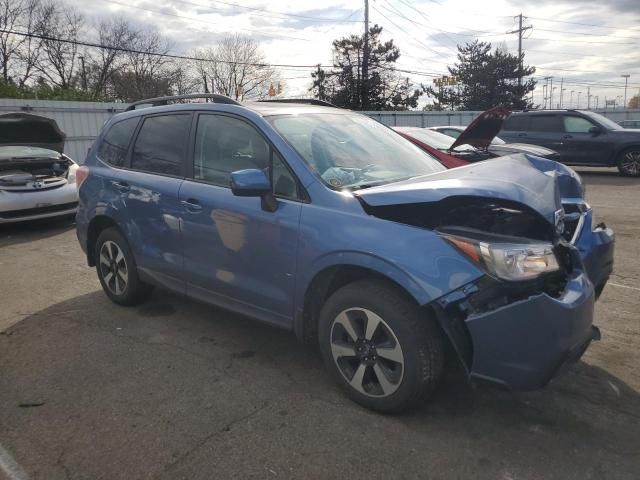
23, 206
524, 344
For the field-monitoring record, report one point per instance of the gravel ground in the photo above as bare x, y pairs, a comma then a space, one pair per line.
174, 389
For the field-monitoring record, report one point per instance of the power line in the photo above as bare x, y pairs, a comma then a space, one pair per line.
574, 23
324, 19
158, 54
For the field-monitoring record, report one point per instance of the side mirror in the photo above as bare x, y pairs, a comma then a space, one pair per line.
595, 130
254, 183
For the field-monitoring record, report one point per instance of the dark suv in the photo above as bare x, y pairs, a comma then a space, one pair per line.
329, 224
580, 137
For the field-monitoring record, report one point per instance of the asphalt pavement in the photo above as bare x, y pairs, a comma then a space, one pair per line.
174, 389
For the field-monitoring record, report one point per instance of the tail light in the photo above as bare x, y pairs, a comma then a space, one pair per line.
81, 175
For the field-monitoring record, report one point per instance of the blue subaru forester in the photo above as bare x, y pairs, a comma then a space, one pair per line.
324, 222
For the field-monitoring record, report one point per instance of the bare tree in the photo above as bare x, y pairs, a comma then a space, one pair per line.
119, 34
147, 73
61, 25
237, 68
15, 15
29, 52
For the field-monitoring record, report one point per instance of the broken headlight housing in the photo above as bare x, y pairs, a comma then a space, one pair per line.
509, 261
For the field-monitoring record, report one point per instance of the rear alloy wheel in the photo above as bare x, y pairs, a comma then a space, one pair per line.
385, 351
629, 162
117, 270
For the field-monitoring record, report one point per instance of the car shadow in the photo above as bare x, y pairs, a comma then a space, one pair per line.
180, 371
23, 232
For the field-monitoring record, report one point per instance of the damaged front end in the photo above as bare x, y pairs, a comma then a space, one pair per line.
532, 311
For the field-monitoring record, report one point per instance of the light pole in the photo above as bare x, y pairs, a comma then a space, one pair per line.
626, 80
553, 89
571, 99
579, 93
597, 98
562, 96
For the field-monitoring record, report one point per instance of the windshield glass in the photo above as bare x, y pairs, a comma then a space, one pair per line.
602, 120
350, 150
26, 152
435, 139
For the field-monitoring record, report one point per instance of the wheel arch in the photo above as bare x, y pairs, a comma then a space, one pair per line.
98, 224
331, 276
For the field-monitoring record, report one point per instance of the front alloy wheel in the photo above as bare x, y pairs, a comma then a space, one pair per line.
367, 352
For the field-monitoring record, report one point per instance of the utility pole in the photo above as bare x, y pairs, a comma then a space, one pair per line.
626, 80
561, 90
588, 98
84, 73
551, 95
571, 98
579, 93
520, 31
364, 101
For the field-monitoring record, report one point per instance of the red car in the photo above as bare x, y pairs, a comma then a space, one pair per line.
424, 139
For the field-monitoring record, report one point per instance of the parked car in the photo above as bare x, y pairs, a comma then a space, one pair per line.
630, 124
327, 223
37, 180
498, 147
580, 137
473, 143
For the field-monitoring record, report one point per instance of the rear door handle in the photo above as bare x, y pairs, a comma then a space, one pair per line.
191, 205
123, 187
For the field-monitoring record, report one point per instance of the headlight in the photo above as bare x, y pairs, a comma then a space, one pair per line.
509, 261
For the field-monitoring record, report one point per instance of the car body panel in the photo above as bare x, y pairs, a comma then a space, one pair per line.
483, 129
444, 158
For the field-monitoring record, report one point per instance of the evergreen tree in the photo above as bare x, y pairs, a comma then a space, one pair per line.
342, 85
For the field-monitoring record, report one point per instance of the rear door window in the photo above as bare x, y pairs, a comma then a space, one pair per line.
573, 124
114, 145
516, 123
161, 144
545, 123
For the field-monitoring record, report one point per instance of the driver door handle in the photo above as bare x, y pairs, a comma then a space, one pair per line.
191, 205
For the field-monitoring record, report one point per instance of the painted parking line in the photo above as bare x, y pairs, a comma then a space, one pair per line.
623, 286
10, 467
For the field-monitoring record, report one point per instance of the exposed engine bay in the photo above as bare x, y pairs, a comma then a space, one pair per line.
35, 173
493, 216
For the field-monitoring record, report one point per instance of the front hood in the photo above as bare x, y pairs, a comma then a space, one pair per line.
30, 130
483, 129
535, 182
509, 148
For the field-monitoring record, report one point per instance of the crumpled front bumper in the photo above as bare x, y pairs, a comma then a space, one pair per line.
596, 247
523, 344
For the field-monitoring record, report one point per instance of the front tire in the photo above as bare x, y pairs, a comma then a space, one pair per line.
117, 269
385, 351
629, 162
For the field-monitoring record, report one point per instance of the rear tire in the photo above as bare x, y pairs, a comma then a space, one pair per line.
385, 351
629, 162
117, 269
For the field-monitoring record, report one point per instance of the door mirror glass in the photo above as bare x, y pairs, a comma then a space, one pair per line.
250, 183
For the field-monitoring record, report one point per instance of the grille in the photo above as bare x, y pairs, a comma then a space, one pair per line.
27, 212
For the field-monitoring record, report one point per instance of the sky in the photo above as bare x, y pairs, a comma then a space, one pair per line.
585, 45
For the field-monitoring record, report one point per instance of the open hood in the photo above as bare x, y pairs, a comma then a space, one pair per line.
537, 183
483, 129
29, 130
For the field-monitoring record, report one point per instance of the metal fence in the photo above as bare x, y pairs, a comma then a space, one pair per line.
81, 121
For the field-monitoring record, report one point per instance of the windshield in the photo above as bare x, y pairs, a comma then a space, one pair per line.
602, 120
353, 151
26, 152
435, 139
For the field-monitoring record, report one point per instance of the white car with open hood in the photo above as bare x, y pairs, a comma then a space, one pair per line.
37, 180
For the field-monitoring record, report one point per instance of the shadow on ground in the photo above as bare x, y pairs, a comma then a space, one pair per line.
173, 389
24, 232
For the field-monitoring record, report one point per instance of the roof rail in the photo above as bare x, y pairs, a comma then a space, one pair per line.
306, 101
155, 102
